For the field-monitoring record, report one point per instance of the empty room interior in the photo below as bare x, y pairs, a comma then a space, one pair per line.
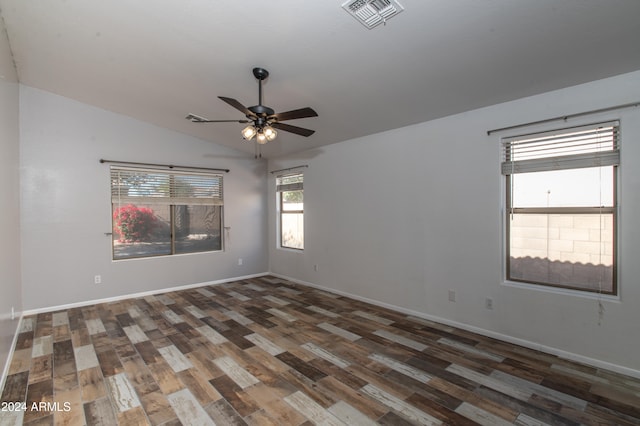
296, 213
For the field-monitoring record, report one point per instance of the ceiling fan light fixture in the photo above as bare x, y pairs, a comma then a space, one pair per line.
270, 133
261, 138
249, 132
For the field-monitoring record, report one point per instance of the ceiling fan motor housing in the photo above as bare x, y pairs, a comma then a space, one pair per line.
261, 111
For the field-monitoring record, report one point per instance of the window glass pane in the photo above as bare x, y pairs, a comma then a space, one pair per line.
292, 200
141, 230
567, 250
197, 228
292, 232
587, 187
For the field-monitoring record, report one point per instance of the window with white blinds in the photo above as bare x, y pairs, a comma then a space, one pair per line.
289, 183
578, 147
164, 212
561, 223
150, 186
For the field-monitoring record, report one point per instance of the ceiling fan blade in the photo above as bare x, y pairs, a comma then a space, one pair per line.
237, 105
197, 119
222, 121
294, 114
293, 129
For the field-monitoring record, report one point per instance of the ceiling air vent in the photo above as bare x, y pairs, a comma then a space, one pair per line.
371, 13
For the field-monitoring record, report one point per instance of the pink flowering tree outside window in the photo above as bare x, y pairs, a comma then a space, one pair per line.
133, 224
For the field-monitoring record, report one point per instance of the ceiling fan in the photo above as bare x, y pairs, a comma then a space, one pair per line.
264, 120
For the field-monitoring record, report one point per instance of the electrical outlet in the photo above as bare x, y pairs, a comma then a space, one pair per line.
13, 313
315, 268
452, 295
97, 279
239, 261
488, 303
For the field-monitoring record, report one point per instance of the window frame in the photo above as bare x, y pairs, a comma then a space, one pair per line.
612, 210
282, 211
170, 199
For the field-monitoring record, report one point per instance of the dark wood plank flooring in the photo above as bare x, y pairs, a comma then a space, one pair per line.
265, 351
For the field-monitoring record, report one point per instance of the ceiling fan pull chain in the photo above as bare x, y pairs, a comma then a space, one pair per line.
257, 150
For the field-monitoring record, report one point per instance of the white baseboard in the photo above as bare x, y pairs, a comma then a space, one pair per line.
134, 295
7, 364
488, 333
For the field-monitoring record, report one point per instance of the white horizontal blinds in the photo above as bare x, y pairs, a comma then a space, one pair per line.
151, 186
291, 182
594, 145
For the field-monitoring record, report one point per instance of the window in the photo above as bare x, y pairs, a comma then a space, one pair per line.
157, 212
291, 206
561, 201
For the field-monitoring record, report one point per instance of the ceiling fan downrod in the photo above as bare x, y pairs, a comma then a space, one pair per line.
260, 110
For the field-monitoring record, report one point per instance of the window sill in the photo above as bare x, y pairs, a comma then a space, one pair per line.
562, 291
165, 256
292, 250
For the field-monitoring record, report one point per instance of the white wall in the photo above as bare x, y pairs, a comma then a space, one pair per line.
66, 206
404, 216
10, 288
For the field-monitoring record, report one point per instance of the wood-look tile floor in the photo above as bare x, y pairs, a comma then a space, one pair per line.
265, 351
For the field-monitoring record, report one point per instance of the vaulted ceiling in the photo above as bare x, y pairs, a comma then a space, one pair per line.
158, 60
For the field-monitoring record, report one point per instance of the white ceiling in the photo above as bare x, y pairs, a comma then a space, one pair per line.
157, 60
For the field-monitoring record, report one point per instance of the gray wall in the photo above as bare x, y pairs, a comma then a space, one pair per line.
402, 217
399, 218
66, 207
10, 285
